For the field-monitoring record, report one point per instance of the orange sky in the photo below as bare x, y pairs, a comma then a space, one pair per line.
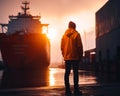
58, 13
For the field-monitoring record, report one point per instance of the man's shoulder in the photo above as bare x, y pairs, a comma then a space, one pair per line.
76, 32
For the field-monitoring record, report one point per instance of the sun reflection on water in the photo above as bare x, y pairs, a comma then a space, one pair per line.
56, 77
52, 78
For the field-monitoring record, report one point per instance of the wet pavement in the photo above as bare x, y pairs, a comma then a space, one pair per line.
30, 83
87, 90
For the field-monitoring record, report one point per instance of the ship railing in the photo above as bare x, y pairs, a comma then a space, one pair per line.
4, 27
24, 16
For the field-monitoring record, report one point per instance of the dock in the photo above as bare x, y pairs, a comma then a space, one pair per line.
87, 90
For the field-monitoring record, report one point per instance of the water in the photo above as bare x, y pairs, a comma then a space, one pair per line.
51, 77
57, 77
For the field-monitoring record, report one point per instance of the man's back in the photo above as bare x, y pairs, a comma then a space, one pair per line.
71, 45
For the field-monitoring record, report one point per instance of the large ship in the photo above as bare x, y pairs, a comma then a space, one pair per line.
25, 45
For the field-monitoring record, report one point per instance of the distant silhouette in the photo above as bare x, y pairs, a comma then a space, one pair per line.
72, 51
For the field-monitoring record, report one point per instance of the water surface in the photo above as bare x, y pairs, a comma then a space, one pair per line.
38, 78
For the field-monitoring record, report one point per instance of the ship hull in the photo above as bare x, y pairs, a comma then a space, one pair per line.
25, 51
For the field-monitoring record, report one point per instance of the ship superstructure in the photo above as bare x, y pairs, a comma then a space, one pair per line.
24, 45
25, 22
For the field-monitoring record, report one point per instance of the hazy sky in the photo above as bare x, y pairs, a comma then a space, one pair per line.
58, 13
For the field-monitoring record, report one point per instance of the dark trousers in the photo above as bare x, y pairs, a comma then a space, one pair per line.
71, 64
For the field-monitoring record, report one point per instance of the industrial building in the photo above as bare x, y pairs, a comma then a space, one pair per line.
108, 35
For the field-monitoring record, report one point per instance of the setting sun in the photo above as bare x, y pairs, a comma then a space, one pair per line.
51, 33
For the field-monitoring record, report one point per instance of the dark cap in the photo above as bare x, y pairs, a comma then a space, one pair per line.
71, 25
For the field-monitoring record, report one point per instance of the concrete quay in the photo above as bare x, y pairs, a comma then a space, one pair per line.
87, 90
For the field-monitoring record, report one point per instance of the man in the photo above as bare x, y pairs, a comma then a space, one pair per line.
72, 52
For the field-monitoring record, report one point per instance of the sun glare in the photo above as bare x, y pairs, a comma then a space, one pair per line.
51, 33
44, 30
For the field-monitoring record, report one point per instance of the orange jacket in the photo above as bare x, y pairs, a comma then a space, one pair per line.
71, 45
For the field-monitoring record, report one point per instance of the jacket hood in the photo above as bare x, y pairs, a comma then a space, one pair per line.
69, 32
